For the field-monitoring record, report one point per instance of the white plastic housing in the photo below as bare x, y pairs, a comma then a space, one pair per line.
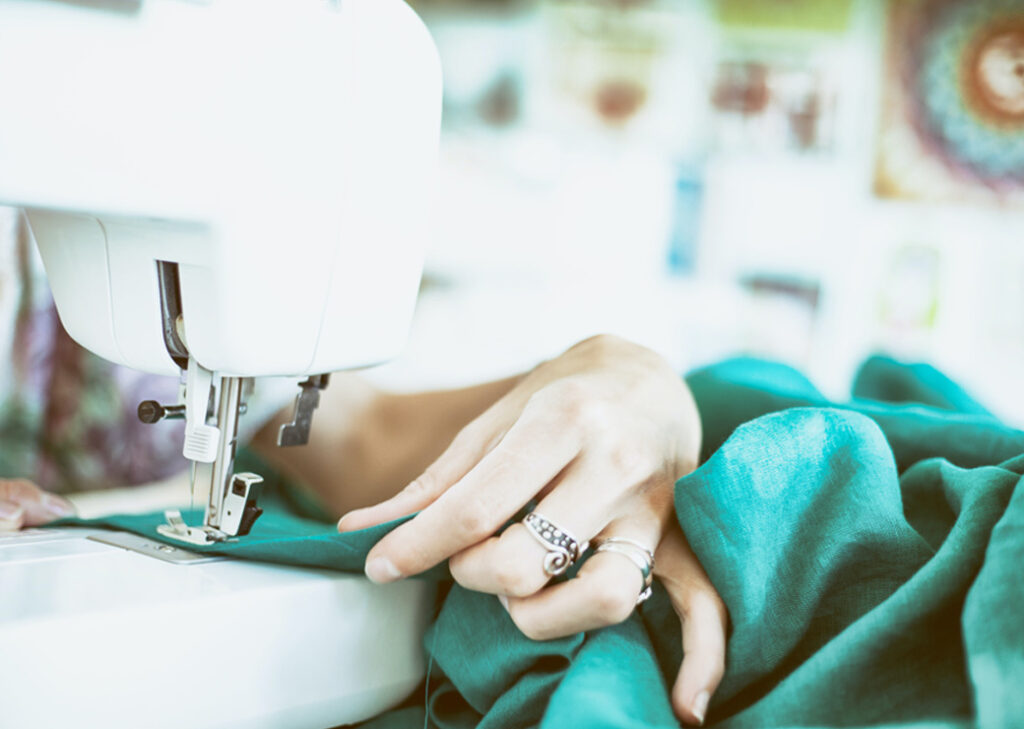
281, 151
97, 637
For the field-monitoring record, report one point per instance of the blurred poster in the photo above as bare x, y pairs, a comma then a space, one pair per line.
910, 296
774, 105
829, 16
607, 55
953, 112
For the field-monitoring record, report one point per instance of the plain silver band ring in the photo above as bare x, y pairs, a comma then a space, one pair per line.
636, 553
628, 542
563, 548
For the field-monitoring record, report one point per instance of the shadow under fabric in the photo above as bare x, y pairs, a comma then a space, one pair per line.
869, 554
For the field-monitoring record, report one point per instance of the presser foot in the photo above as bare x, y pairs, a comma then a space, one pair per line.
237, 510
178, 530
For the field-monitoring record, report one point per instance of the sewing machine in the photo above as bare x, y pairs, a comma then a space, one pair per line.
223, 190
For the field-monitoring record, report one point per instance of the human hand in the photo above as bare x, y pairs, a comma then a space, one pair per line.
599, 437
705, 622
23, 504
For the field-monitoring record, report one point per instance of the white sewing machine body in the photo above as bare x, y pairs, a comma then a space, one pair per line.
232, 189
228, 188
280, 152
98, 637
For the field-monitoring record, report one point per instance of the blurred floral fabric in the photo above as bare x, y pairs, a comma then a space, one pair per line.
68, 418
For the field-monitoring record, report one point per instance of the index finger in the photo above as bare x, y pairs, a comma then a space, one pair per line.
533, 452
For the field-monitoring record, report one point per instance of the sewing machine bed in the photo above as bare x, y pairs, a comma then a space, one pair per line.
98, 635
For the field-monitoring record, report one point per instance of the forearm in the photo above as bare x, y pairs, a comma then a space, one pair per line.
366, 444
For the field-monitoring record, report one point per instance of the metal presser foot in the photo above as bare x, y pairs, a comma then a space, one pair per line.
211, 410
210, 441
238, 509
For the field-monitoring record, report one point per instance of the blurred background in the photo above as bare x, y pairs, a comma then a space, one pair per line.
806, 180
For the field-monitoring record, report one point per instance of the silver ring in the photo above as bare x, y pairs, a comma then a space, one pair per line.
563, 548
638, 554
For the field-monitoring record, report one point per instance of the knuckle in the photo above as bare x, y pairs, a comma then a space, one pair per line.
605, 341
527, 623
562, 397
475, 520
717, 664
603, 346
613, 604
424, 485
702, 602
631, 460
465, 438
493, 440
514, 580
576, 405
476, 440
459, 567
593, 415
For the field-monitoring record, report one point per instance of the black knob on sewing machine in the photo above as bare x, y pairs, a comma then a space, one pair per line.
150, 412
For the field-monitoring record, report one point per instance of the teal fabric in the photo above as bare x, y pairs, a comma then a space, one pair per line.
869, 554
887, 380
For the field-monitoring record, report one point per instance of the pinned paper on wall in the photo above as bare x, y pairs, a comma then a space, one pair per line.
763, 104
826, 16
953, 112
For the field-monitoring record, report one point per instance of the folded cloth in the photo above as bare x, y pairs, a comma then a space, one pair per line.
868, 553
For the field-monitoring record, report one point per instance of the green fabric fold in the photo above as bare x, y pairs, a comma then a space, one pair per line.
868, 552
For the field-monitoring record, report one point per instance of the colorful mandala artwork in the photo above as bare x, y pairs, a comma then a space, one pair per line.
953, 112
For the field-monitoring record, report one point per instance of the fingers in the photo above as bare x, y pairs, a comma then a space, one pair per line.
705, 623
513, 564
12, 516
28, 505
604, 592
533, 452
704, 631
464, 452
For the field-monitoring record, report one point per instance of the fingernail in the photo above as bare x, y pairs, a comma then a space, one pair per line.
380, 570
504, 602
57, 506
700, 706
